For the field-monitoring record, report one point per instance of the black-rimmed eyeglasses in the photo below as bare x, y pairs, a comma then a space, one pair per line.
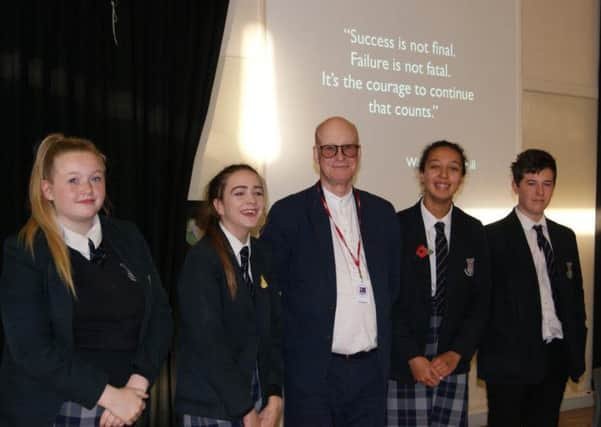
330, 150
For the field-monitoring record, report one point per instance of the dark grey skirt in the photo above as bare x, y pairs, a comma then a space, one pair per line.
422, 406
72, 414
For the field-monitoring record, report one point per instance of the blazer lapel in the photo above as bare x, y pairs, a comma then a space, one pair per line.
555, 280
255, 265
122, 247
521, 248
365, 226
260, 301
556, 244
61, 297
257, 268
456, 251
321, 226
421, 265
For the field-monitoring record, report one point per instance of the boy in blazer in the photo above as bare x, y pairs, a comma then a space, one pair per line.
535, 337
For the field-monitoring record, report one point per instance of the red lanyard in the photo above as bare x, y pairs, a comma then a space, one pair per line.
356, 259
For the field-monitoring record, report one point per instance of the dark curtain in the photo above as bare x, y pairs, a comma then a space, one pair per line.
139, 89
597, 276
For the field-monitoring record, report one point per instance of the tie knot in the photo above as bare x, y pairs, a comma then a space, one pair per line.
439, 226
97, 254
541, 240
244, 255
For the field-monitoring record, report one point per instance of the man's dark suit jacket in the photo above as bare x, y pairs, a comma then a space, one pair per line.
512, 348
467, 292
298, 230
40, 369
221, 339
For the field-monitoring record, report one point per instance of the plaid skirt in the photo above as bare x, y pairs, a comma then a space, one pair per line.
198, 421
72, 414
418, 405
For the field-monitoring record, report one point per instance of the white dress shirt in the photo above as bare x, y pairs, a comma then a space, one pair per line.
355, 325
79, 242
551, 325
429, 222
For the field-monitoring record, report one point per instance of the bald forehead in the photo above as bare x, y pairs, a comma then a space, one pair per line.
336, 128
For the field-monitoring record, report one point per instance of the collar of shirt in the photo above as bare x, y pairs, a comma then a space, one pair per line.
340, 208
528, 223
430, 220
236, 244
79, 242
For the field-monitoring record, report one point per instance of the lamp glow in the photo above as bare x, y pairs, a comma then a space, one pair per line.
259, 136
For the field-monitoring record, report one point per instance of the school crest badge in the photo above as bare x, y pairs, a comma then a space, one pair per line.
469, 267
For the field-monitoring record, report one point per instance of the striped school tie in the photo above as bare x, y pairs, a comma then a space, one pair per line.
244, 258
442, 255
545, 247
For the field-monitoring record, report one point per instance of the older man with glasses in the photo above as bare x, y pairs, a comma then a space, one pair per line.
336, 253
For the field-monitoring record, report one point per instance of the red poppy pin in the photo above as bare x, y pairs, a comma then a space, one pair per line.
422, 251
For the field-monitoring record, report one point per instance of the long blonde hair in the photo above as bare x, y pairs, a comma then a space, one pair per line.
42, 211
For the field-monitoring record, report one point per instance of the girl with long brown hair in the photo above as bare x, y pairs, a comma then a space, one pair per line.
229, 368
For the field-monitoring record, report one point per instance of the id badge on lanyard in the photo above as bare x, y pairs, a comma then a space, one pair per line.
362, 293
362, 288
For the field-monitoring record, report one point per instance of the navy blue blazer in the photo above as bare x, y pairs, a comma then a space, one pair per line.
40, 369
467, 292
222, 340
512, 348
298, 230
